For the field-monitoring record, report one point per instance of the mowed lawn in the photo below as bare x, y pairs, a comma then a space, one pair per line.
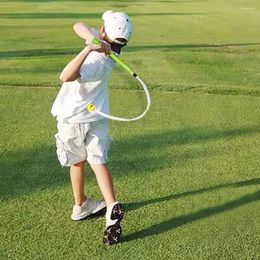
188, 173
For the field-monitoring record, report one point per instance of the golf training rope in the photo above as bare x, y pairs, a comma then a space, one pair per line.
91, 107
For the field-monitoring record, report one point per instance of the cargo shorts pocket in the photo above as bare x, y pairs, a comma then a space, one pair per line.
70, 144
61, 151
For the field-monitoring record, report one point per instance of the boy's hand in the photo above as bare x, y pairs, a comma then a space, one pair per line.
103, 46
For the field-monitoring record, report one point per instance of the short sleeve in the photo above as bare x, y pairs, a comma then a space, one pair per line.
93, 68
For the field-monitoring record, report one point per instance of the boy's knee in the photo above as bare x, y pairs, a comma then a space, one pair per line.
79, 164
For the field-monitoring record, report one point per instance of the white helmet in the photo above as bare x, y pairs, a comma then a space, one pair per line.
117, 25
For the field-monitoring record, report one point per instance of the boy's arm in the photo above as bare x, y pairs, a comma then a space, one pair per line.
71, 71
84, 32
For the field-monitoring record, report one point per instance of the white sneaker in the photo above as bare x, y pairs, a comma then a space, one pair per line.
113, 231
89, 208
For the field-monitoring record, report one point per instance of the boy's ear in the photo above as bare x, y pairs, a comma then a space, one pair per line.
102, 32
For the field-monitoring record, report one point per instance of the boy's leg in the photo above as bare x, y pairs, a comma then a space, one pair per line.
105, 183
115, 210
77, 182
97, 146
84, 207
73, 155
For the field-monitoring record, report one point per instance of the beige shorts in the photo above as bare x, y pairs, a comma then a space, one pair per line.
80, 142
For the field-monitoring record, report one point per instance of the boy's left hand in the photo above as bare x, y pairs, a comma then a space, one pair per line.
102, 47
105, 47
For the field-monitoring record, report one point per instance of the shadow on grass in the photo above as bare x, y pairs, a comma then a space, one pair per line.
49, 15
185, 219
38, 53
31, 170
184, 136
125, 1
85, 15
74, 51
188, 46
28, 171
243, 183
181, 1
152, 148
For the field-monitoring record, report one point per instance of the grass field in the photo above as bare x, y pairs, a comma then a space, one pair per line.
188, 173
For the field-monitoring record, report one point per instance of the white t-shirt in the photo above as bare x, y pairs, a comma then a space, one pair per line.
92, 87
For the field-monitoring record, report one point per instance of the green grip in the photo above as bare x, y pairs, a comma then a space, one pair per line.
115, 58
95, 41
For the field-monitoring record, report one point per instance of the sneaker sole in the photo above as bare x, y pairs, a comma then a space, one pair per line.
113, 233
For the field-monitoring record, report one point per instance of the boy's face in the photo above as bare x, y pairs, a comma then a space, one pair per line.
104, 37
103, 34
114, 46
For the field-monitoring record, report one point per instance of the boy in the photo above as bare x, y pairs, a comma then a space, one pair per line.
83, 135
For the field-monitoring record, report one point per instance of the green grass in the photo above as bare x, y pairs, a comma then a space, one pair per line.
202, 46
188, 173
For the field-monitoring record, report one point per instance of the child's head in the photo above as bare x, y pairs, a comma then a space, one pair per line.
117, 29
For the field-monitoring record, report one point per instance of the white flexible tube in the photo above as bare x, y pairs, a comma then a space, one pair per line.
91, 107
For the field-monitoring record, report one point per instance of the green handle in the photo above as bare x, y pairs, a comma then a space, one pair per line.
95, 41
116, 58
119, 61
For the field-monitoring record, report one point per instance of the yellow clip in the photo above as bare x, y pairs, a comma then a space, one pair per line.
91, 107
